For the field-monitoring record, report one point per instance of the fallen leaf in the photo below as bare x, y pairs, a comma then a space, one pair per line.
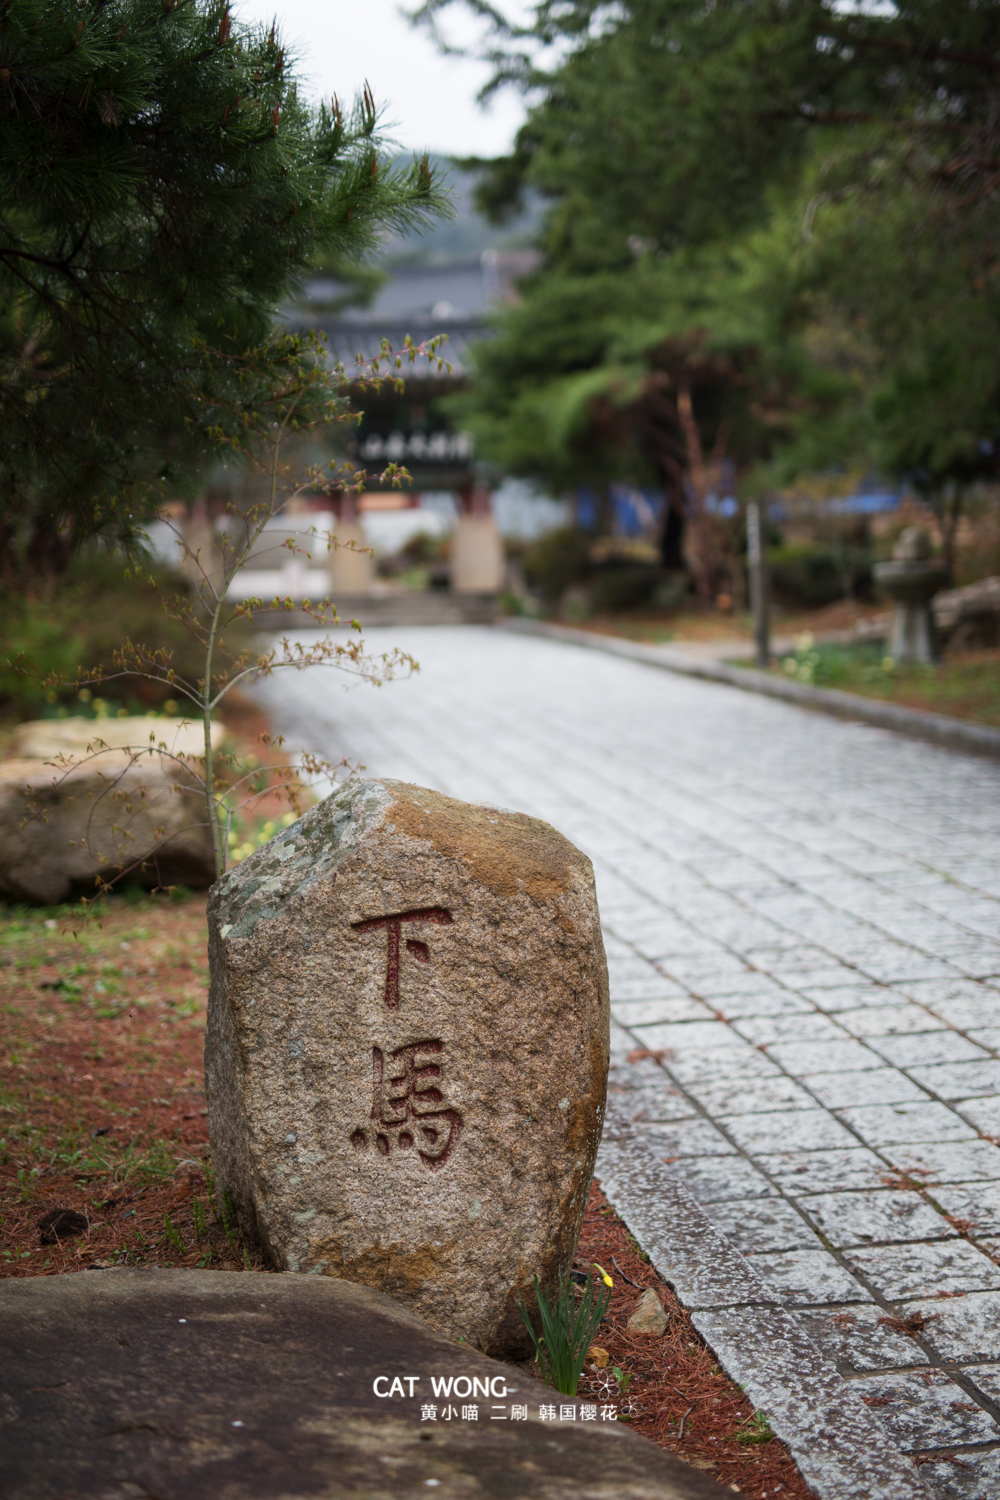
598, 1356
640, 1054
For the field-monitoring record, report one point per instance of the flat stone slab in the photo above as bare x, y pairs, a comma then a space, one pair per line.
208, 1385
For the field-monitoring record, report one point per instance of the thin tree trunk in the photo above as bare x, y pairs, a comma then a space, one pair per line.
951, 512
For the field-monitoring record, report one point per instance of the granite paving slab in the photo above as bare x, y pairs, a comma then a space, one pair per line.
768, 864
963, 1331
797, 1172
877, 1086
903, 1124
965, 1475
806, 1278
857, 1338
900, 1272
927, 1410
874, 1217
976, 1204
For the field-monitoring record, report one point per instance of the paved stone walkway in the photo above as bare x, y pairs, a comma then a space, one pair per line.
803, 929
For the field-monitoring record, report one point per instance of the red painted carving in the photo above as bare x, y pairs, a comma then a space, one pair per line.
406, 1105
394, 925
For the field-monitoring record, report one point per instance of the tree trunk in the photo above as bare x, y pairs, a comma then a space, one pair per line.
672, 542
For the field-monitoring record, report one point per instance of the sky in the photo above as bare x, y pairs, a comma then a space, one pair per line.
430, 100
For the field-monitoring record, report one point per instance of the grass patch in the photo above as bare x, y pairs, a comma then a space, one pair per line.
965, 686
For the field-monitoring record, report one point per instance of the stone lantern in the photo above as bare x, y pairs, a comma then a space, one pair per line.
912, 578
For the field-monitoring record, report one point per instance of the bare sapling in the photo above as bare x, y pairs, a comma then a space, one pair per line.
285, 388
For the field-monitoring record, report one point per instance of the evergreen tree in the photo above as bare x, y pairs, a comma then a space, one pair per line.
826, 183
162, 188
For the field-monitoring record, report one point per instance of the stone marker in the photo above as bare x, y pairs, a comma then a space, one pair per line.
407, 1050
199, 1385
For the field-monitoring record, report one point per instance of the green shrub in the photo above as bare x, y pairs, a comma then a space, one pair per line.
89, 616
832, 664
808, 575
624, 588
557, 560
36, 643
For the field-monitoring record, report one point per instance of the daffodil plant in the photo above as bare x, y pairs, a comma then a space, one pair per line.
569, 1320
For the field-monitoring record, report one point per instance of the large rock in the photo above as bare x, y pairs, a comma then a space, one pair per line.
407, 1050
212, 1385
60, 829
969, 616
75, 737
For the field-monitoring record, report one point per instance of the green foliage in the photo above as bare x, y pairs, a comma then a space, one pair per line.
557, 560
757, 1429
669, 122
568, 1322
624, 588
824, 178
162, 185
136, 1162
83, 621
33, 633
967, 686
809, 575
830, 664
173, 1236
582, 380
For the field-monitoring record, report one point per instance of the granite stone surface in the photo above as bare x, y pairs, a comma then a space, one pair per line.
198, 1385
407, 1051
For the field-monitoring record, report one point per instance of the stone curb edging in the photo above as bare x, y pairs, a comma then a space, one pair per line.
939, 729
842, 1451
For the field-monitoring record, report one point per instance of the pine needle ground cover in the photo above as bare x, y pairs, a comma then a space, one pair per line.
102, 1104
104, 1161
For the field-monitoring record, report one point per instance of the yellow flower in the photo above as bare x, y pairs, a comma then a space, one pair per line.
604, 1275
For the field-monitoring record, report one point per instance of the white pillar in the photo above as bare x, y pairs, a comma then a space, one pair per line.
477, 561
352, 570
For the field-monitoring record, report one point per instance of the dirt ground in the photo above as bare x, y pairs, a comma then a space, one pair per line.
700, 625
104, 1161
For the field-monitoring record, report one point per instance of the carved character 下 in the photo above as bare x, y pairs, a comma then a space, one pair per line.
393, 925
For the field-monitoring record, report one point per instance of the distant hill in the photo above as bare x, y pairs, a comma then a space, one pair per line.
466, 236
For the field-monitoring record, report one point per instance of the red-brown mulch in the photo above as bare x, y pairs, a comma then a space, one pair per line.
102, 1104
102, 1111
